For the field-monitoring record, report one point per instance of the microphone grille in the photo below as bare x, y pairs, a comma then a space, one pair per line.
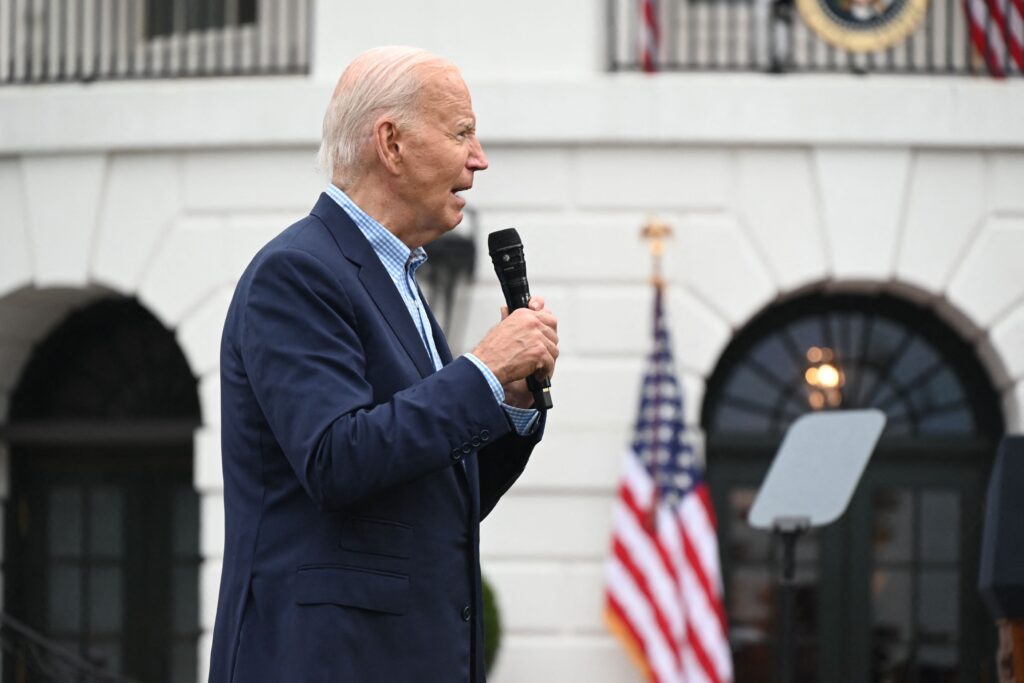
502, 239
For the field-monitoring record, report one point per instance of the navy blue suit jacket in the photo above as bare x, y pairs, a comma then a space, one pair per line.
355, 476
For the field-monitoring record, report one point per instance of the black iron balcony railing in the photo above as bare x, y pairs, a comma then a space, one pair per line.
770, 35
32, 656
46, 41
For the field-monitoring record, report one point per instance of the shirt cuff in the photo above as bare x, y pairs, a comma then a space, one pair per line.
492, 380
523, 419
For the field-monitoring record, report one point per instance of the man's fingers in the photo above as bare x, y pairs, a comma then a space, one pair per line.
547, 363
536, 303
549, 334
548, 318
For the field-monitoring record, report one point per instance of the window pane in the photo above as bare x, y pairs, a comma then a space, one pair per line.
771, 353
106, 523
65, 597
918, 358
184, 665
891, 595
186, 522
940, 526
750, 599
735, 419
106, 655
883, 394
106, 587
754, 387
71, 645
893, 532
890, 661
64, 522
752, 659
185, 593
939, 607
890, 631
806, 333
886, 337
898, 423
860, 385
938, 664
947, 423
943, 387
847, 331
746, 542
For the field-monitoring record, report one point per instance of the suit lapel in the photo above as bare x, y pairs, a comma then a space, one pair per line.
375, 278
382, 290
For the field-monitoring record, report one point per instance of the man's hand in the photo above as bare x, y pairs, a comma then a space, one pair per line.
522, 344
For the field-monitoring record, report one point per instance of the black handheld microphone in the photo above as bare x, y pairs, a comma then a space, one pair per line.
506, 251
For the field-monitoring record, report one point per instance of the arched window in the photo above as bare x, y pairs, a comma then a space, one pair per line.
102, 539
887, 592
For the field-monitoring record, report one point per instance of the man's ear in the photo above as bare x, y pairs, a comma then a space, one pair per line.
389, 146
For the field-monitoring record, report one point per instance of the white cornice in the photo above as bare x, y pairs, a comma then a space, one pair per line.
741, 109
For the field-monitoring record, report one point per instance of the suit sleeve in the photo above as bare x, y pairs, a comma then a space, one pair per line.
502, 462
305, 360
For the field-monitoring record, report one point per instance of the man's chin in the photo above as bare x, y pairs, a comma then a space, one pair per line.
453, 221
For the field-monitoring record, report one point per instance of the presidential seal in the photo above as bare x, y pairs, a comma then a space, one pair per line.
863, 25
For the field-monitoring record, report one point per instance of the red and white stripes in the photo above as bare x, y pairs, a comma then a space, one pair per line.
650, 35
997, 33
663, 583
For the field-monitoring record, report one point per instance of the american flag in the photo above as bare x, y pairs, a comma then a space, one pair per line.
997, 33
664, 592
650, 35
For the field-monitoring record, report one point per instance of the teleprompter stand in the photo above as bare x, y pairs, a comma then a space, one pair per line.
809, 484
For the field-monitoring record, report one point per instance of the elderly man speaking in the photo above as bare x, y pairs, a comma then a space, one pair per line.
359, 457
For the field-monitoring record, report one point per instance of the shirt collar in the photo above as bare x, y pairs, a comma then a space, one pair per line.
391, 251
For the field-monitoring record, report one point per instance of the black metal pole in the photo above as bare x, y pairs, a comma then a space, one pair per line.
789, 530
787, 639
781, 36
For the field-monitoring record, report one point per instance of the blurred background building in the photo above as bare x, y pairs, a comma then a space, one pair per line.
849, 231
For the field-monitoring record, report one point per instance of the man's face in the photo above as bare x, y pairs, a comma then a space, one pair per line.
441, 154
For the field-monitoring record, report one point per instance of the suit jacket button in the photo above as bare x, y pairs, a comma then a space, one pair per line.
466, 613
466, 448
484, 435
456, 455
475, 442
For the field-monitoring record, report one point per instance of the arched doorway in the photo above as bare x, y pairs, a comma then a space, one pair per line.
887, 593
102, 531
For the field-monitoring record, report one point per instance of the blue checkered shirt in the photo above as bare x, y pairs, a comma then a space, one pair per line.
401, 263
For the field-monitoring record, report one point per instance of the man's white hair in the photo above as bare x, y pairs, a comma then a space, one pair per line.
382, 80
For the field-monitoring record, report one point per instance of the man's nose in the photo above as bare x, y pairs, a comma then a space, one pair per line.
477, 159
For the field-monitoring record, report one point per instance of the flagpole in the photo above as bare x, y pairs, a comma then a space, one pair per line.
656, 231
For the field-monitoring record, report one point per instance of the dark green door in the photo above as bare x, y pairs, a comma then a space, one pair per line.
104, 556
101, 551
887, 593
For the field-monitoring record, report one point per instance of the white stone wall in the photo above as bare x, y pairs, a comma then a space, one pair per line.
164, 190
175, 229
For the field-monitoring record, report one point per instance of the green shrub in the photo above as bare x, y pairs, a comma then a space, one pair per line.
492, 626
